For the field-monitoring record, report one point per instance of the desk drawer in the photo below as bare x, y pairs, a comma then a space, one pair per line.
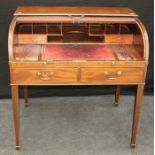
43, 76
31, 38
116, 38
112, 75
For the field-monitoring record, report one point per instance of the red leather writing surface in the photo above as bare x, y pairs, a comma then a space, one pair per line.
77, 52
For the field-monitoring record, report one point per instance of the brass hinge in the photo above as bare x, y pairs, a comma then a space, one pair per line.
76, 19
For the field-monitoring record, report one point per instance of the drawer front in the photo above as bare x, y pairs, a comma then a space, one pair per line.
112, 75
43, 76
125, 38
28, 39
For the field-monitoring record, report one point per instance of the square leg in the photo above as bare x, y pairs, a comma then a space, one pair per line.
16, 113
25, 90
136, 115
117, 95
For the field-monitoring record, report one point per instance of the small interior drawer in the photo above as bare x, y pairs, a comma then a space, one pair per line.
43, 75
117, 38
31, 38
112, 75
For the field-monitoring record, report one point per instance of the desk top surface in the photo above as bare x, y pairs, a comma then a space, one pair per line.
72, 10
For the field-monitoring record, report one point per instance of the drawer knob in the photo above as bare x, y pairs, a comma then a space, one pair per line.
45, 75
106, 73
17, 58
119, 73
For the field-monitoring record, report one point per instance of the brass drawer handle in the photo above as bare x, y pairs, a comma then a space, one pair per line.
118, 73
45, 76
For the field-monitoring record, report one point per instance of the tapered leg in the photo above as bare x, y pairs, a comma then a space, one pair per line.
25, 90
117, 94
137, 109
15, 104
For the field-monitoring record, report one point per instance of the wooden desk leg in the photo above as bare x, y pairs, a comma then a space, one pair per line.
137, 109
15, 104
25, 90
117, 94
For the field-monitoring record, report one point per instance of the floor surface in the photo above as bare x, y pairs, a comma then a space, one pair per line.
83, 125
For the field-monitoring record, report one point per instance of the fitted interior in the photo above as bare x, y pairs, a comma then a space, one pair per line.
70, 41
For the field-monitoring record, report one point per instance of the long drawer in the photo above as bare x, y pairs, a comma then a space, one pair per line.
112, 75
43, 75
75, 75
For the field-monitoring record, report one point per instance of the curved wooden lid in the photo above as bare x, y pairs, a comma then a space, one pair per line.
72, 10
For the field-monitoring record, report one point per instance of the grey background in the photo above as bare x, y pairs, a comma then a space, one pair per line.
81, 125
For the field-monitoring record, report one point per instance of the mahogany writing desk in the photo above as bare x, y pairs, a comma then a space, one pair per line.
77, 46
